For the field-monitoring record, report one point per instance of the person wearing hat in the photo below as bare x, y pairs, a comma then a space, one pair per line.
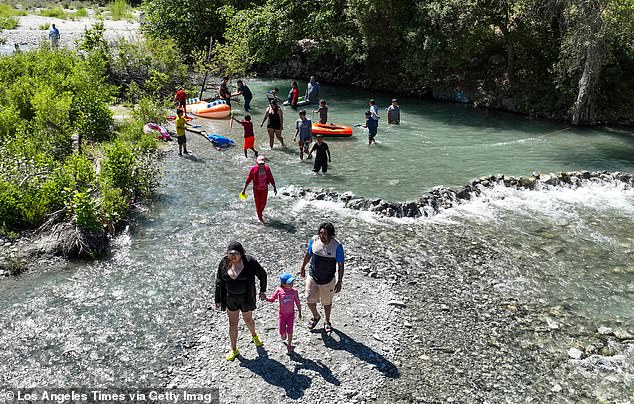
261, 176
322, 157
325, 273
235, 292
288, 299
394, 113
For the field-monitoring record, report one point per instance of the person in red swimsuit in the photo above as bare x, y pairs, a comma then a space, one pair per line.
181, 97
261, 176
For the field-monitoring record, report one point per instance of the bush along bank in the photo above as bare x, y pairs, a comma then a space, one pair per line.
69, 177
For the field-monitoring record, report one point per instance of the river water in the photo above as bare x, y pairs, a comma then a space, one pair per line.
122, 320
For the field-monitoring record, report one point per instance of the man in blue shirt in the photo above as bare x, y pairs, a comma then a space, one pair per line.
312, 91
326, 257
53, 35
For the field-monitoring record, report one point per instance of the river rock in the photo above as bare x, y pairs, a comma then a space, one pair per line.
397, 303
575, 353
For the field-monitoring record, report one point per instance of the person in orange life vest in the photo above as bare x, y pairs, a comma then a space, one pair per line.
261, 176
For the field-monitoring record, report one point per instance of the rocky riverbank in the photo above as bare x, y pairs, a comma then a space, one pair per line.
441, 198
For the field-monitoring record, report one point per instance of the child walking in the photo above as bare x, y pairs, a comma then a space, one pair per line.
288, 298
249, 136
323, 154
372, 125
323, 112
304, 130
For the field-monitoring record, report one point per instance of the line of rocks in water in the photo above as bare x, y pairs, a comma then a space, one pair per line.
441, 198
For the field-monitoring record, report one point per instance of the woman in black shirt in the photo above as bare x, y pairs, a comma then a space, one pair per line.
235, 292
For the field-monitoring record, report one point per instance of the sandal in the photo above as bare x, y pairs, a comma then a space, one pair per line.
313, 323
328, 328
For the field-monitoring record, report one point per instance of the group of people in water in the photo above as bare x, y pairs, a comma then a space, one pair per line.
261, 174
235, 285
236, 292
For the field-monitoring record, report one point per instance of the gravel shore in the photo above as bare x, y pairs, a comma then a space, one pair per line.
28, 33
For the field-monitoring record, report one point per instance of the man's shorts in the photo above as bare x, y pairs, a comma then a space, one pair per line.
316, 293
239, 302
181, 139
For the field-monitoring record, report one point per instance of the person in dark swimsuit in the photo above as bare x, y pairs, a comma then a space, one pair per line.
235, 292
275, 122
322, 152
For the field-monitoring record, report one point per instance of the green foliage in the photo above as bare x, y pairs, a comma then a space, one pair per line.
81, 12
7, 11
119, 10
153, 65
84, 209
8, 22
55, 12
150, 110
118, 166
47, 99
190, 23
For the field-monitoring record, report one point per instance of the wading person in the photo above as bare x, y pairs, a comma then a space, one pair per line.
249, 136
394, 113
325, 273
322, 155
312, 90
235, 292
261, 176
275, 122
303, 129
244, 91
223, 91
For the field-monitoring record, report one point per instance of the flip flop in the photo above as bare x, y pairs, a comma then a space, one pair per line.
313, 323
328, 328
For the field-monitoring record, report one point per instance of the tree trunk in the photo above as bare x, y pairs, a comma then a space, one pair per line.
583, 113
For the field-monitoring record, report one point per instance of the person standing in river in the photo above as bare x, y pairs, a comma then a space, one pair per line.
244, 91
322, 157
223, 91
235, 292
312, 91
275, 122
293, 95
261, 176
303, 129
394, 113
323, 112
326, 257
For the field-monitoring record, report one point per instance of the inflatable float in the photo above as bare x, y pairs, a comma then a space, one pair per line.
300, 102
220, 141
151, 128
215, 109
331, 130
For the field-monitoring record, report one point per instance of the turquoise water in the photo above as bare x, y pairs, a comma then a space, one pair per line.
436, 144
123, 320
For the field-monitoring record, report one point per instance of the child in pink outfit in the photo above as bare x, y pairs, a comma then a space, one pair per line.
288, 298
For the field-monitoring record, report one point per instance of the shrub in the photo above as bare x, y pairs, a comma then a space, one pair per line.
81, 12
119, 9
8, 22
56, 12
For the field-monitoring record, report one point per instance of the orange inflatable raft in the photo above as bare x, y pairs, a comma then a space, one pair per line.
331, 130
215, 109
